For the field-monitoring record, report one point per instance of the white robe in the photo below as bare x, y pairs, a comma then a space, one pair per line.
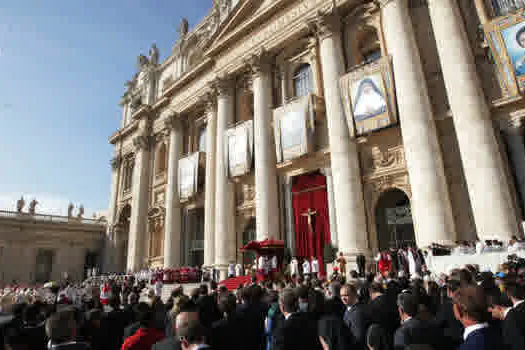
294, 268
306, 267
315, 266
411, 263
231, 270
238, 270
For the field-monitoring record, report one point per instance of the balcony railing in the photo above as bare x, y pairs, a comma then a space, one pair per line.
50, 218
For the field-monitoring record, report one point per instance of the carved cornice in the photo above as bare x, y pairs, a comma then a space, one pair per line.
209, 100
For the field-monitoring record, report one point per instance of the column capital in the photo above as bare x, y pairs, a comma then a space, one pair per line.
512, 125
209, 100
172, 122
326, 23
382, 3
260, 62
142, 142
115, 162
222, 85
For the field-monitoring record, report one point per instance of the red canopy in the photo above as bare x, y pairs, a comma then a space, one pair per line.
262, 246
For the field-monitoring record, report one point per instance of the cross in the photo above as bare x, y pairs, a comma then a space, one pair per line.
309, 213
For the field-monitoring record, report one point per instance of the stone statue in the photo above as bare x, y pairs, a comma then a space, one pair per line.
80, 211
183, 28
32, 207
142, 61
20, 205
154, 54
70, 210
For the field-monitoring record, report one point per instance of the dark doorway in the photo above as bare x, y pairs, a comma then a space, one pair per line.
394, 220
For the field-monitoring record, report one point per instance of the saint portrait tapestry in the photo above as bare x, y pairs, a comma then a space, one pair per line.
239, 148
506, 38
368, 96
188, 171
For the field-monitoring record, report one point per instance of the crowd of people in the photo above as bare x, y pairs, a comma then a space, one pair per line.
467, 309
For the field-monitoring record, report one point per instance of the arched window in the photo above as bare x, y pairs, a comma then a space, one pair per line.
161, 159
202, 139
302, 81
128, 175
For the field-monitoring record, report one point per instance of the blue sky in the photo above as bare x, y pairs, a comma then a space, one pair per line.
63, 65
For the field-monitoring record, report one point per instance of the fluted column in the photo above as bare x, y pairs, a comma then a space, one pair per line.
109, 243
224, 191
430, 202
346, 172
482, 161
288, 205
266, 205
331, 205
140, 199
209, 194
172, 225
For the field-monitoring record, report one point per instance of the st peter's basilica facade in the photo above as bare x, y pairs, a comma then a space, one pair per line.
357, 123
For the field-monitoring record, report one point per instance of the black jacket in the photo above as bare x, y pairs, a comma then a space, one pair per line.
225, 334
417, 332
299, 332
451, 327
513, 328
356, 319
167, 344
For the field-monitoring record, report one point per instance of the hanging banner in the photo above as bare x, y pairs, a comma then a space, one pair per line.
506, 38
188, 176
368, 96
239, 149
294, 127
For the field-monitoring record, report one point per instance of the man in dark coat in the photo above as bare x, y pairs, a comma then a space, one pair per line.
61, 331
445, 319
299, 330
188, 312
382, 309
471, 309
414, 331
356, 315
225, 332
513, 325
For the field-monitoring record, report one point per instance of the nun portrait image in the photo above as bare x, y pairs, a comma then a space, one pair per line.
369, 100
519, 64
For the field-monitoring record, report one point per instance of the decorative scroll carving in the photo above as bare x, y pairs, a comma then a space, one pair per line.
389, 159
223, 85
172, 122
326, 23
260, 62
141, 143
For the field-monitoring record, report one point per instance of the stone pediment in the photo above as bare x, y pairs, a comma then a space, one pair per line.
244, 13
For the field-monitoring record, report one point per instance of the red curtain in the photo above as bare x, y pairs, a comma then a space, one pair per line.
309, 192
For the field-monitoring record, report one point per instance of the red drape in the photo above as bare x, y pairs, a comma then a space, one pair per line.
309, 192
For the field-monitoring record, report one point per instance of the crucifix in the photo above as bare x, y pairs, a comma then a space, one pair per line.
309, 213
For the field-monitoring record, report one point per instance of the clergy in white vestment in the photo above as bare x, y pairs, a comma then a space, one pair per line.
231, 270
261, 264
294, 267
274, 263
238, 270
315, 267
306, 268
411, 262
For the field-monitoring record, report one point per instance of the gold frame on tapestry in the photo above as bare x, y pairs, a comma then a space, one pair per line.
509, 82
383, 66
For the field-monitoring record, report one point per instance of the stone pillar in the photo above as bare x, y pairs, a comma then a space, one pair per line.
172, 225
482, 11
209, 194
140, 200
516, 149
331, 205
430, 202
224, 191
109, 242
290, 222
346, 172
266, 205
487, 183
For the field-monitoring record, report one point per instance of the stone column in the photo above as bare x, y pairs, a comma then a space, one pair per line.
290, 222
172, 225
266, 206
109, 242
516, 148
482, 11
331, 205
482, 161
430, 202
224, 191
140, 200
346, 172
209, 194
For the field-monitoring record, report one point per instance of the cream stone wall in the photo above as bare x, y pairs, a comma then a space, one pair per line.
22, 235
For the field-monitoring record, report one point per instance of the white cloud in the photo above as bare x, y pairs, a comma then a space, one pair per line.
47, 203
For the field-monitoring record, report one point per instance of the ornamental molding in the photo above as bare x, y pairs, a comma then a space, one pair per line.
172, 122
115, 162
209, 100
326, 23
142, 143
380, 163
222, 86
260, 62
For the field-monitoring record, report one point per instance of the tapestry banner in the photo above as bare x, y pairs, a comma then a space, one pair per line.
239, 148
188, 176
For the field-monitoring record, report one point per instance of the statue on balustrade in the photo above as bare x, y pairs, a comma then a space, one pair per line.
80, 212
70, 210
20, 205
154, 54
32, 207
